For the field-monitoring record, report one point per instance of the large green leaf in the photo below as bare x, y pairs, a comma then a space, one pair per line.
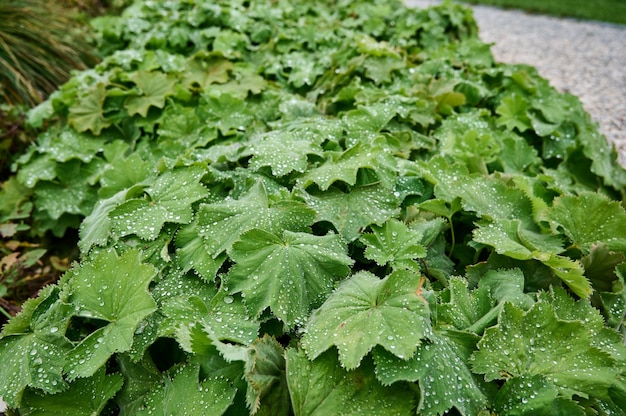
366, 311
395, 244
443, 373
351, 212
321, 387
221, 223
590, 218
88, 112
225, 316
290, 274
114, 290
182, 392
153, 89
33, 347
283, 152
345, 166
169, 199
519, 346
227, 112
86, 396
265, 374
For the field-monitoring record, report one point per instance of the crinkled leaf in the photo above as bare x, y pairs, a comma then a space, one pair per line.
571, 272
321, 387
366, 121
33, 348
351, 212
96, 227
533, 395
518, 346
479, 308
206, 70
153, 88
443, 374
225, 316
123, 171
182, 392
395, 244
283, 152
88, 113
68, 144
70, 194
227, 112
290, 274
590, 218
86, 396
169, 199
511, 239
346, 165
222, 223
366, 311
113, 289
195, 252
267, 392
512, 112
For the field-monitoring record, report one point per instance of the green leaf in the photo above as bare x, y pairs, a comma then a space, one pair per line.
225, 317
533, 395
395, 244
222, 223
322, 387
512, 112
227, 112
123, 170
283, 152
69, 194
207, 69
68, 144
477, 309
195, 252
265, 374
96, 227
182, 392
346, 165
153, 88
169, 199
33, 347
86, 396
366, 311
443, 374
291, 274
571, 272
88, 112
365, 122
567, 358
590, 218
115, 290
351, 212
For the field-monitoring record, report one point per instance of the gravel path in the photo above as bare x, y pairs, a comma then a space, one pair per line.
584, 58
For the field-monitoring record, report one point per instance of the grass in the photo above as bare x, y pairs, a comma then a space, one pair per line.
613, 11
40, 44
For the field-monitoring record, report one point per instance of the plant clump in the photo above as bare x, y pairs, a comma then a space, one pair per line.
297, 208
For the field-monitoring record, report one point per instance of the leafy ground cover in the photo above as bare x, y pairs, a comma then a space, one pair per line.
613, 11
286, 207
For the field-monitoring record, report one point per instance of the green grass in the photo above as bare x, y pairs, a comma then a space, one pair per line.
613, 11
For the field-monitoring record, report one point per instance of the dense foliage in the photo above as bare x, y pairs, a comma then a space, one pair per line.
314, 208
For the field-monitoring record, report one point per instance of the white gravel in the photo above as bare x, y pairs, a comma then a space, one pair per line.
584, 58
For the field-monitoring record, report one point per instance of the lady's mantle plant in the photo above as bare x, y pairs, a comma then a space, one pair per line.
316, 208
